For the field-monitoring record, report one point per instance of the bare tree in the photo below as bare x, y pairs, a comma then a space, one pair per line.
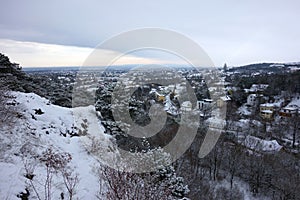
295, 120
29, 167
234, 160
55, 162
126, 186
163, 183
71, 181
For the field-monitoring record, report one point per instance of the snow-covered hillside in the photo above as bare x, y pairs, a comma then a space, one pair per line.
41, 126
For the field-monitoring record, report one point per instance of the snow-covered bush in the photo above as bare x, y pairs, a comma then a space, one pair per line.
53, 165
160, 184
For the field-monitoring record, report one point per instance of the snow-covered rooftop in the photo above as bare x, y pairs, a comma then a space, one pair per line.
225, 98
269, 105
258, 144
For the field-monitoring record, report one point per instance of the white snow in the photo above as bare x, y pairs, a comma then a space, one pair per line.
186, 106
295, 101
225, 98
41, 131
238, 184
169, 107
216, 123
12, 180
244, 110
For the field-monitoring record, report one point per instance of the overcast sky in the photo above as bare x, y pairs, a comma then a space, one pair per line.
58, 32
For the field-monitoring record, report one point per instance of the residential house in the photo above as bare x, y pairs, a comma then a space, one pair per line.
222, 101
252, 99
292, 109
261, 145
159, 97
186, 106
289, 111
267, 110
204, 104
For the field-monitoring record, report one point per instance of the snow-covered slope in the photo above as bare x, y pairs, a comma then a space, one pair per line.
42, 126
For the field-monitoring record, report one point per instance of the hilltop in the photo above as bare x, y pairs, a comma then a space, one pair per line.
266, 68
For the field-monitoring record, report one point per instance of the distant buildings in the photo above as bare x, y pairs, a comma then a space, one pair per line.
258, 88
256, 94
255, 91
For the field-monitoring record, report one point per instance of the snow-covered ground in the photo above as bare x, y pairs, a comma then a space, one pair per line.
238, 186
42, 126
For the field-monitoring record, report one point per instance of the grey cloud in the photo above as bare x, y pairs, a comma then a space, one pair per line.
230, 23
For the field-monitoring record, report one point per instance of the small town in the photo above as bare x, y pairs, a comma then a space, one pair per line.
149, 100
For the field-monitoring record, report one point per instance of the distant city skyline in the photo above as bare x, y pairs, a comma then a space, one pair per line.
64, 33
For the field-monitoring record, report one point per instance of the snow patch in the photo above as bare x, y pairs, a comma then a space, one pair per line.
43, 126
